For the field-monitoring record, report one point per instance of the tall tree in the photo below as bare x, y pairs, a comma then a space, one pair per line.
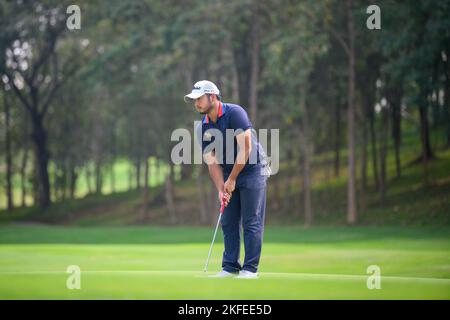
351, 192
297, 50
8, 153
35, 72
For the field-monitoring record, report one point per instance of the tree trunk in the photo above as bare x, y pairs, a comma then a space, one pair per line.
23, 172
306, 149
113, 176
130, 176
373, 140
425, 138
351, 192
58, 181
138, 173
98, 178
396, 101
55, 182
72, 181
296, 171
241, 42
447, 96
39, 137
337, 140
146, 193
235, 92
158, 172
186, 171
35, 182
113, 156
397, 152
88, 178
64, 180
8, 155
255, 51
169, 195
383, 152
362, 195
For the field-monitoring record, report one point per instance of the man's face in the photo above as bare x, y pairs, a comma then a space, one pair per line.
203, 104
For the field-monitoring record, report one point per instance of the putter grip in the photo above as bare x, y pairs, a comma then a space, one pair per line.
222, 207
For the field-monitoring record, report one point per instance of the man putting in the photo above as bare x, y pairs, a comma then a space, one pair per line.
241, 184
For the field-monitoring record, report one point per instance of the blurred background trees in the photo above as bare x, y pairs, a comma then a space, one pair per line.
88, 113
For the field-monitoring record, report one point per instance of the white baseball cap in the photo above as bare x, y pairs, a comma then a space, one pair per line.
201, 88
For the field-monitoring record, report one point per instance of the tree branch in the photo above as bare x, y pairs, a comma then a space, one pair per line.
47, 51
341, 41
17, 91
58, 84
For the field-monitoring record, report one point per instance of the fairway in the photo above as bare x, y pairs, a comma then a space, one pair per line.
166, 263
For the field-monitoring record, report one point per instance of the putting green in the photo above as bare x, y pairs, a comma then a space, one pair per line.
296, 264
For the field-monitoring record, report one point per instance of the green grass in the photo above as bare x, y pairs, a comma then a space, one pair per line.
166, 263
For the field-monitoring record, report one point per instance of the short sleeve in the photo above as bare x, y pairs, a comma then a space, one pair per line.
239, 119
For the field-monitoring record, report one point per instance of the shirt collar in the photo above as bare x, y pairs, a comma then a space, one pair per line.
220, 113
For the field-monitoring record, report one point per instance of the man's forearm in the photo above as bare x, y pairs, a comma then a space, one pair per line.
243, 154
215, 171
241, 159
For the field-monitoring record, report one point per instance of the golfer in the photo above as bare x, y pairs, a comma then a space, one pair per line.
239, 172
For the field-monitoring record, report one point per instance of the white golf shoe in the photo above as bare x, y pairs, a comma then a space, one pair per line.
222, 274
244, 274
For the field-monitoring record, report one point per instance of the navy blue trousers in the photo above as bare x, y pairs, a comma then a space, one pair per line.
246, 210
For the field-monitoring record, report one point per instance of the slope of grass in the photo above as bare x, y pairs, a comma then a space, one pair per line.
408, 201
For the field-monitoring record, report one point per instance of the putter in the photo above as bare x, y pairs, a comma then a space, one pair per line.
222, 207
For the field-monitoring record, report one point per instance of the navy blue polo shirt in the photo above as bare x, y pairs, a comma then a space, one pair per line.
231, 116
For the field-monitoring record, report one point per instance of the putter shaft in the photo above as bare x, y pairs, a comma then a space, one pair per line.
214, 238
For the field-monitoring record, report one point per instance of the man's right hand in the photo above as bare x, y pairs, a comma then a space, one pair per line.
225, 197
